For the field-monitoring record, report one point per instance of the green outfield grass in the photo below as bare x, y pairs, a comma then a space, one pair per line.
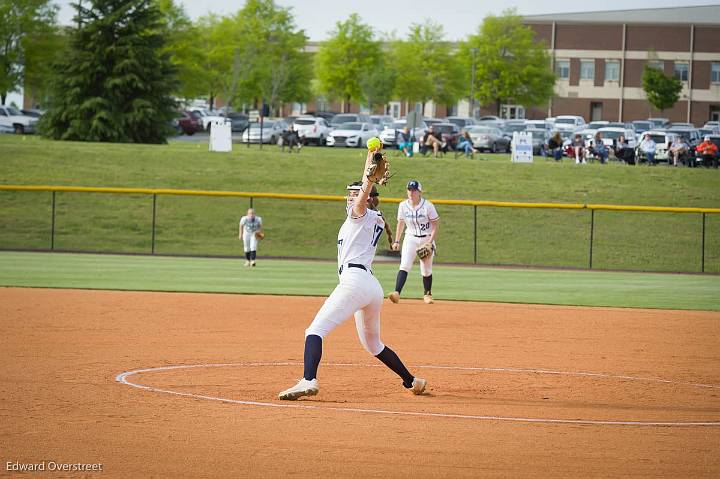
152, 273
194, 225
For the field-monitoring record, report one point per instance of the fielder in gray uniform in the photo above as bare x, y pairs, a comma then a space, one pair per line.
422, 221
358, 294
250, 233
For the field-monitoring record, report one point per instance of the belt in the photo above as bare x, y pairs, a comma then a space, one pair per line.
353, 265
419, 236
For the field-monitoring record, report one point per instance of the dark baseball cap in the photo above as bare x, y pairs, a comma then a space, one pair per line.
414, 185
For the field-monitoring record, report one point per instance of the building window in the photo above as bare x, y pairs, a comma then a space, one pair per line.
587, 69
512, 112
681, 71
715, 73
562, 68
612, 70
657, 64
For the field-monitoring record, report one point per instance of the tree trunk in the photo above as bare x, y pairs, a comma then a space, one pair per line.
3, 97
497, 106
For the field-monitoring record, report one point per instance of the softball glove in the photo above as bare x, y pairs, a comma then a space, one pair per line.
424, 250
379, 171
260, 235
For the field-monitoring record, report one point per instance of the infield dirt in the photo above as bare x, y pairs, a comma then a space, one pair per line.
60, 401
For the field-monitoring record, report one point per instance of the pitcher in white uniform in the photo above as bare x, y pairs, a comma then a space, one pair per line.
250, 225
358, 294
422, 220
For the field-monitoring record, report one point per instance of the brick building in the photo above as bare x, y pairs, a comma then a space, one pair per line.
599, 59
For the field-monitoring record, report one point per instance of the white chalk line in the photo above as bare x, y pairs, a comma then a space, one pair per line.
122, 378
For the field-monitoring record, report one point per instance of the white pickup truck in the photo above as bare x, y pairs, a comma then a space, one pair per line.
13, 118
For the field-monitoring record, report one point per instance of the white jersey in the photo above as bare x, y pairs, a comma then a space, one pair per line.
251, 226
358, 238
417, 219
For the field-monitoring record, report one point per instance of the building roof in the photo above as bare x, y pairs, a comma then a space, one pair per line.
699, 15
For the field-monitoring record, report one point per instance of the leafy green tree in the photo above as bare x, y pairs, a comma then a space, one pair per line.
377, 85
427, 67
661, 90
342, 61
255, 56
114, 83
25, 27
510, 65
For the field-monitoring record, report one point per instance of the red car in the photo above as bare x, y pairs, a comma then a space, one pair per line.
189, 122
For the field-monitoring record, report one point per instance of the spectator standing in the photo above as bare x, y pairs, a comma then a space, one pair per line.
708, 152
648, 147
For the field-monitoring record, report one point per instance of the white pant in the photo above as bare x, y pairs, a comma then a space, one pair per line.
407, 257
359, 293
250, 242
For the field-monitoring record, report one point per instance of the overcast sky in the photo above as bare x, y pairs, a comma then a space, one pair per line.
459, 18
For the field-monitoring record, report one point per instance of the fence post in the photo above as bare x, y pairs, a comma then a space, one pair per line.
251, 202
474, 234
52, 224
592, 232
153, 223
702, 255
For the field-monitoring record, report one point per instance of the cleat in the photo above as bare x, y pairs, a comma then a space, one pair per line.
418, 386
247, 263
307, 388
252, 263
394, 297
428, 299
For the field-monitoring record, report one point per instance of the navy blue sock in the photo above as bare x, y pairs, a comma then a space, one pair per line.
247, 255
253, 255
313, 353
427, 284
400, 280
391, 360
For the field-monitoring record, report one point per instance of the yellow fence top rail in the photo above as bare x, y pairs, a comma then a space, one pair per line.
288, 196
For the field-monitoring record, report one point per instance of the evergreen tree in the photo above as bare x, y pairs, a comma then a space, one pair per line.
115, 83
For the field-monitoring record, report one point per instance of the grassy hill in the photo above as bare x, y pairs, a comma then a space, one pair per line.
193, 225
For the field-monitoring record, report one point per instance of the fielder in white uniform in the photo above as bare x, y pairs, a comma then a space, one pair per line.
249, 225
421, 219
358, 294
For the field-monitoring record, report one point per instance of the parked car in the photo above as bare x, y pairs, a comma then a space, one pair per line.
207, 117
389, 134
642, 126
680, 124
461, 121
541, 124
705, 131
663, 140
189, 123
690, 135
449, 133
326, 115
272, 131
611, 134
13, 118
510, 128
352, 134
540, 138
381, 121
569, 123
239, 121
658, 122
6, 129
489, 138
341, 118
33, 112
432, 121
312, 129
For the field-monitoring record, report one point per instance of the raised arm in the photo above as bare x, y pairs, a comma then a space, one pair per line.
360, 205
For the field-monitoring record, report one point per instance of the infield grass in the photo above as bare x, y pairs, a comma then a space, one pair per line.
208, 226
318, 278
